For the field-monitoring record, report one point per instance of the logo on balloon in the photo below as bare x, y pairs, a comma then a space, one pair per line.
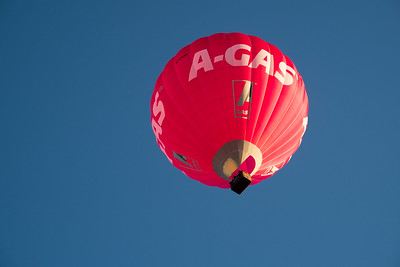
186, 162
242, 92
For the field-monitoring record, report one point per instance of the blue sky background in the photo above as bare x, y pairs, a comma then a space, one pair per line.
83, 182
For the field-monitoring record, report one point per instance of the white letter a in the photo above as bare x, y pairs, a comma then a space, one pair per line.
201, 59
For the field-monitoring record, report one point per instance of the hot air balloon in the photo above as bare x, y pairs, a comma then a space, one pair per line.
229, 110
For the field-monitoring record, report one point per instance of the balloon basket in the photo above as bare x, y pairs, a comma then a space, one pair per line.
240, 182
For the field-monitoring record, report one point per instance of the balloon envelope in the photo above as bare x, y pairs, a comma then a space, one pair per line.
228, 102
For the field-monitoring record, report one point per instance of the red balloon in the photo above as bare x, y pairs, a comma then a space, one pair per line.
228, 103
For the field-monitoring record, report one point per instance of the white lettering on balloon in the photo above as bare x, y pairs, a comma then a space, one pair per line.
237, 55
158, 110
201, 60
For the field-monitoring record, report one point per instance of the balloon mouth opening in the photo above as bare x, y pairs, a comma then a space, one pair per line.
235, 156
229, 167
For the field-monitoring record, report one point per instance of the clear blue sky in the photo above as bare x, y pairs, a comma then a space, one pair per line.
83, 182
